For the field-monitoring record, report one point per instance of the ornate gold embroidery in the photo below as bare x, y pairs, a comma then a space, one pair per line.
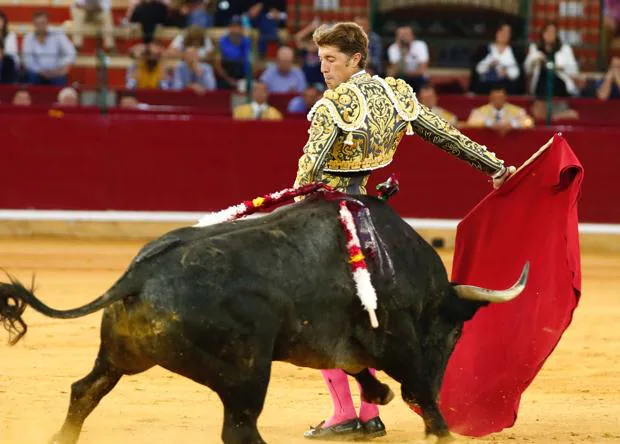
402, 95
347, 106
346, 184
374, 144
322, 132
433, 128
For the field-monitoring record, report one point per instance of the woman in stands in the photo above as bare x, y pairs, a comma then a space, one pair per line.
497, 64
8, 38
563, 68
194, 36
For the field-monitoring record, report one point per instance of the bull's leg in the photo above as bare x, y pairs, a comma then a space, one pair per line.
420, 372
85, 395
417, 393
373, 391
243, 403
239, 375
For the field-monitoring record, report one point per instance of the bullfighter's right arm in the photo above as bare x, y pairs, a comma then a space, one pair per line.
323, 132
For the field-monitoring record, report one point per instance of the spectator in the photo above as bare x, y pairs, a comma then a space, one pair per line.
179, 12
68, 97
611, 20
22, 98
192, 74
267, 21
8, 71
201, 14
149, 14
374, 64
194, 36
497, 64
609, 87
232, 64
564, 66
128, 100
47, 55
148, 71
309, 54
283, 77
8, 39
498, 114
302, 104
258, 109
560, 110
84, 11
408, 58
427, 96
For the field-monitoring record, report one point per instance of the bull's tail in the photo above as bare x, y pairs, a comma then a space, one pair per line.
14, 297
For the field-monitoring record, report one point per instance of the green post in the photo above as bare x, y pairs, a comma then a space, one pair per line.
247, 30
373, 8
102, 80
550, 67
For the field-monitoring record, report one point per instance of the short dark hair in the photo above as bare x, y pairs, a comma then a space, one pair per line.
37, 14
4, 31
426, 86
499, 86
348, 37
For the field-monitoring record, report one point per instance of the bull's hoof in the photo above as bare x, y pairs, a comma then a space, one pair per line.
432, 438
380, 397
59, 438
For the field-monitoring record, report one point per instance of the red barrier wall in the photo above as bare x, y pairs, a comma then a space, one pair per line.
195, 163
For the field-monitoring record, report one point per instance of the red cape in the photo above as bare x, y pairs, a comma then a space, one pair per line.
533, 217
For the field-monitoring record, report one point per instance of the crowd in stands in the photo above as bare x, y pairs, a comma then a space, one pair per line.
196, 61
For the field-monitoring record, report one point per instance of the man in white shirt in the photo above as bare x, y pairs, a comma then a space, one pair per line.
408, 58
84, 11
47, 55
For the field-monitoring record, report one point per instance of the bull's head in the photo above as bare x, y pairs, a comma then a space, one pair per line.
473, 293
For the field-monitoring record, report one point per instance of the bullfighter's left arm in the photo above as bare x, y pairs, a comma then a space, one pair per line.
436, 130
323, 132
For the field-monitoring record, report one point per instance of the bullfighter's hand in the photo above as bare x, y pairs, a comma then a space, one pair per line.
498, 182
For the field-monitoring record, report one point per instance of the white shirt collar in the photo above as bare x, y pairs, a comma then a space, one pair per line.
258, 109
359, 73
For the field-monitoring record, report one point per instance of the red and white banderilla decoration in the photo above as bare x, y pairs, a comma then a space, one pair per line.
361, 276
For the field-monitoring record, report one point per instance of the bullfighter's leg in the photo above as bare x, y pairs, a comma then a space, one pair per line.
343, 424
372, 390
85, 396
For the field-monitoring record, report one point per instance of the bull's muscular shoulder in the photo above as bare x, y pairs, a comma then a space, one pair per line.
402, 95
346, 105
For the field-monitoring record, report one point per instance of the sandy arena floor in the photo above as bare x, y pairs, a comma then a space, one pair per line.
575, 399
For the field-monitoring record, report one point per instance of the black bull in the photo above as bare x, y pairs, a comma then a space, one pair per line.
218, 304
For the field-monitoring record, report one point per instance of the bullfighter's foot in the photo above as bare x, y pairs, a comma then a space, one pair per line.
373, 429
345, 431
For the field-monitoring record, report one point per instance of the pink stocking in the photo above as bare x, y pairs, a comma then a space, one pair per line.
368, 411
338, 386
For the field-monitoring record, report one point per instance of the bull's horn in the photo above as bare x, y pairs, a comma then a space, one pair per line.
482, 294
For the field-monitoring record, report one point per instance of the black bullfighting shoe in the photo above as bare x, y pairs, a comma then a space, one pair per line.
373, 428
345, 431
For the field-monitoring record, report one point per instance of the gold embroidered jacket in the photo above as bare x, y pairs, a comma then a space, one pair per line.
358, 126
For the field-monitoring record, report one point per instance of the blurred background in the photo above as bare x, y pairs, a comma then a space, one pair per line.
193, 105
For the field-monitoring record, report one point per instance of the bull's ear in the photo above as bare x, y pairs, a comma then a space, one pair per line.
456, 309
